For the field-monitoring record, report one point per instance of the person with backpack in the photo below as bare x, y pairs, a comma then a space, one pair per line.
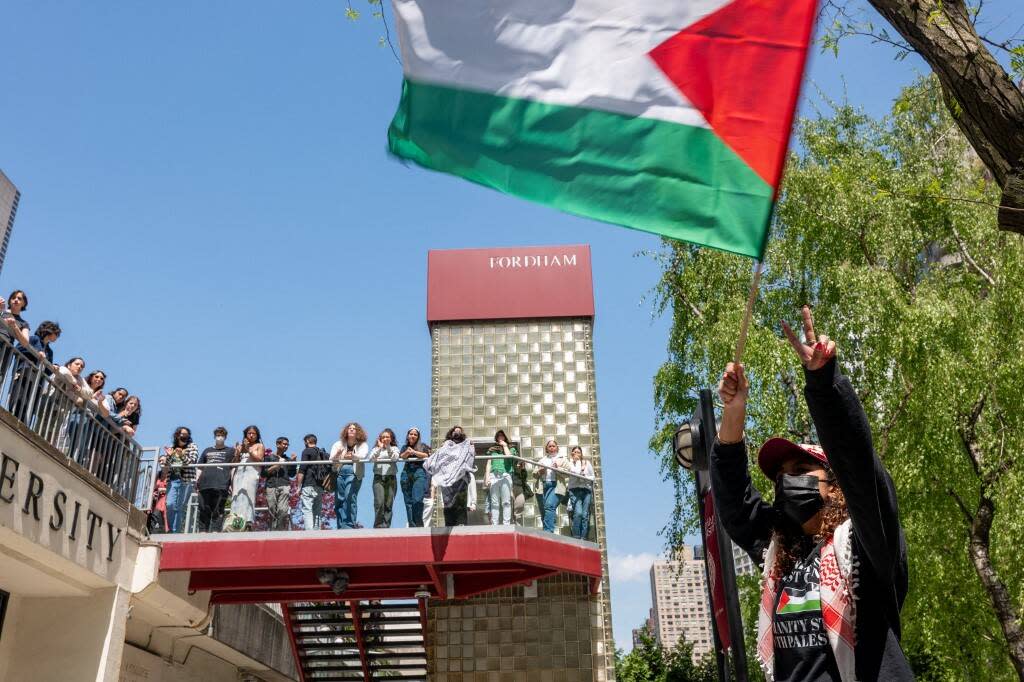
310, 480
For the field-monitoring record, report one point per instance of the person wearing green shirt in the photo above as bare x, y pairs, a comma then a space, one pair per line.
501, 468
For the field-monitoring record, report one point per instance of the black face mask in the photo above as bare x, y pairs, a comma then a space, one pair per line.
459, 437
798, 497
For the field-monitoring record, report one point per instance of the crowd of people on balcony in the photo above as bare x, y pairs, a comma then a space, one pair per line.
292, 487
62, 403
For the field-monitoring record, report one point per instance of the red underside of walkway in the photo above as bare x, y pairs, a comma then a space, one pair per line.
381, 564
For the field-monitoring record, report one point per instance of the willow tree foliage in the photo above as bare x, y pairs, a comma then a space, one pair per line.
924, 297
650, 662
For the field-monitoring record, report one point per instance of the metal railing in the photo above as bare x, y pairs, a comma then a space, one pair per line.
479, 516
34, 393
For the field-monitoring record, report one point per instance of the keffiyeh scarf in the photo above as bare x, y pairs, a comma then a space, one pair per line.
838, 575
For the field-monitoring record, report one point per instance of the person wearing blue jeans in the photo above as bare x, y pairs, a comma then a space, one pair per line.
344, 497
180, 477
581, 492
415, 482
552, 464
348, 454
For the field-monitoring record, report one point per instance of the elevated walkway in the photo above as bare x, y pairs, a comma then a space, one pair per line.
396, 563
355, 601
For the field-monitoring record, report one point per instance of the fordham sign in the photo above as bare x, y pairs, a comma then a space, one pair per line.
564, 260
509, 283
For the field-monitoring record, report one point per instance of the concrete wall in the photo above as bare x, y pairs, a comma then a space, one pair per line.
65, 639
257, 631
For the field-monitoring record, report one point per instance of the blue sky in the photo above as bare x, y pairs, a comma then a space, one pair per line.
208, 210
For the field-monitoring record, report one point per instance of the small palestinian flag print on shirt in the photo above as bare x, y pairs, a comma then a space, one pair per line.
792, 602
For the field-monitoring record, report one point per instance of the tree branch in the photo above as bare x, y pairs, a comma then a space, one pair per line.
967, 257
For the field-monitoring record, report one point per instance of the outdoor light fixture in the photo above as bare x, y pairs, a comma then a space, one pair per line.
687, 443
694, 439
336, 579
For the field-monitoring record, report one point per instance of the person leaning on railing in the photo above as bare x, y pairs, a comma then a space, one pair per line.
214, 483
499, 488
13, 328
415, 481
278, 486
348, 455
311, 480
385, 481
451, 468
175, 462
551, 476
34, 357
581, 492
245, 480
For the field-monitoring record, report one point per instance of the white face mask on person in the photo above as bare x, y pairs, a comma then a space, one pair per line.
219, 441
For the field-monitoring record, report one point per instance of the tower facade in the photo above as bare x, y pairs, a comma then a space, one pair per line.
512, 348
9, 197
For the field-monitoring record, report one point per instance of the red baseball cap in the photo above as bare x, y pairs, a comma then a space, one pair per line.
775, 451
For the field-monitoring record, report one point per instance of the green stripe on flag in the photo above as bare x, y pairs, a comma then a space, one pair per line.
678, 181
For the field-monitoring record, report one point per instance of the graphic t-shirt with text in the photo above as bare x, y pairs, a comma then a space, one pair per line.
215, 478
802, 651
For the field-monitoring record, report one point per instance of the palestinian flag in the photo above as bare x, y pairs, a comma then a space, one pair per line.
799, 603
669, 116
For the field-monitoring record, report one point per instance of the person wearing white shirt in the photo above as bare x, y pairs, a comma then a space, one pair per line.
550, 472
581, 492
385, 478
348, 455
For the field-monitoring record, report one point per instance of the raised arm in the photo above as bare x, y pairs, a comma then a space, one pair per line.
845, 435
747, 518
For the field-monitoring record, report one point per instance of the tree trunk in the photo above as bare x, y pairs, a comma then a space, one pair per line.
1006, 613
984, 101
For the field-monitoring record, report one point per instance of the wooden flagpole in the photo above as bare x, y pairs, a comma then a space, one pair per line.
755, 284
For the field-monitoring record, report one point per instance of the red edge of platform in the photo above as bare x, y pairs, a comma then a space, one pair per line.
247, 569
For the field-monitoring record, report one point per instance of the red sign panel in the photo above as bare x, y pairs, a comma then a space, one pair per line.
714, 563
508, 283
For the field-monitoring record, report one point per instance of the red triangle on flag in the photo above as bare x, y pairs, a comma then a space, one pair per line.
741, 67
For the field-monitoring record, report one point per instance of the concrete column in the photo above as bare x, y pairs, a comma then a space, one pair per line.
68, 639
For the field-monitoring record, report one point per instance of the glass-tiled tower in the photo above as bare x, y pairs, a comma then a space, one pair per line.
512, 348
9, 197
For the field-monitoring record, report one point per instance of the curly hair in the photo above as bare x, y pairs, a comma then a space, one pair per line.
791, 544
451, 431
360, 432
46, 328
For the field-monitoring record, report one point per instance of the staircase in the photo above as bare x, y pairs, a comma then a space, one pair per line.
358, 640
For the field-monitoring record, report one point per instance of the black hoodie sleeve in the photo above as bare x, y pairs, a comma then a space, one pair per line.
870, 495
747, 518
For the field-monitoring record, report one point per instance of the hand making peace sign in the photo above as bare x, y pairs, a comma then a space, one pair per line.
815, 351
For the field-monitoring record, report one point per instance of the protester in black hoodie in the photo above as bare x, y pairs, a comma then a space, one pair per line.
831, 547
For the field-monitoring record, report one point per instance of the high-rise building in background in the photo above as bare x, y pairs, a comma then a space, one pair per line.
679, 592
9, 197
512, 348
742, 562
